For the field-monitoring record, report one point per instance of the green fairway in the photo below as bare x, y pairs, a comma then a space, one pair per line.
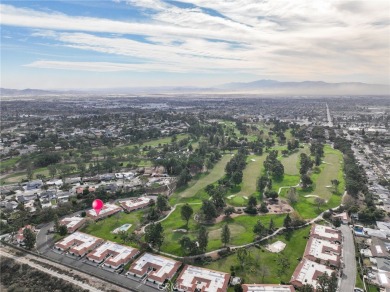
215, 174
291, 162
251, 174
329, 170
295, 246
241, 230
332, 169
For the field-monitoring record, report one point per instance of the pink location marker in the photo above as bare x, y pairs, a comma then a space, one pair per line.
97, 205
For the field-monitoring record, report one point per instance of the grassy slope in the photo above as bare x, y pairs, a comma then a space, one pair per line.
294, 249
306, 206
104, 227
241, 230
250, 176
215, 174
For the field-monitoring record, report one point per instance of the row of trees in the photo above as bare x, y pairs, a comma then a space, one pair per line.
273, 166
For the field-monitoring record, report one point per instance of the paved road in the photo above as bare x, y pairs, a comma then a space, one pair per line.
349, 272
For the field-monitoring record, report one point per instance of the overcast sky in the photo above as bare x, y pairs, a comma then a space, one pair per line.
91, 44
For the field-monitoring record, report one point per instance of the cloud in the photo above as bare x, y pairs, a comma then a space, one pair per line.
308, 39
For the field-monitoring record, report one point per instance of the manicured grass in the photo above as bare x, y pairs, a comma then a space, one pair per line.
251, 174
103, 228
295, 246
241, 230
306, 206
291, 162
215, 174
329, 171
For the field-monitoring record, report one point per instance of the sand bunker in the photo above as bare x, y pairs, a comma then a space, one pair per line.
276, 247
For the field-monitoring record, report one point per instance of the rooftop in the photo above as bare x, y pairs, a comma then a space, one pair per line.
267, 288
82, 241
325, 232
308, 271
203, 279
323, 250
162, 266
118, 252
71, 221
107, 210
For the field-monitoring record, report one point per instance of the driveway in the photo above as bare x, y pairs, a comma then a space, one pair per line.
349, 272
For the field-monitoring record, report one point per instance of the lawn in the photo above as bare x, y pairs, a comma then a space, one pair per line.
104, 227
251, 174
291, 162
332, 169
296, 243
241, 230
8, 163
215, 174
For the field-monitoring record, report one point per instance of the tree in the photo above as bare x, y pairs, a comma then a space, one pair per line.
56, 223
263, 208
123, 235
208, 210
188, 245
238, 288
63, 230
152, 214
319, 202
259, 229
262, 183
278, 169
307, 288
273, 195
271, 226
186, 213
242, 256
283, 265
251, 206
263, 272
29, 238
225, 235
162, 203
203, 239
30, 172
237, 177
183, 178
287, 221
292, 196
306, 181
229, 211
154, 234
335, 184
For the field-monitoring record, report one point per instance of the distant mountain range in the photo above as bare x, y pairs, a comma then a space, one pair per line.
255, 87
307, 87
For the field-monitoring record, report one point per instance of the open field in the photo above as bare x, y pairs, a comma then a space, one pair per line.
241, 228
251, 174
295, 246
